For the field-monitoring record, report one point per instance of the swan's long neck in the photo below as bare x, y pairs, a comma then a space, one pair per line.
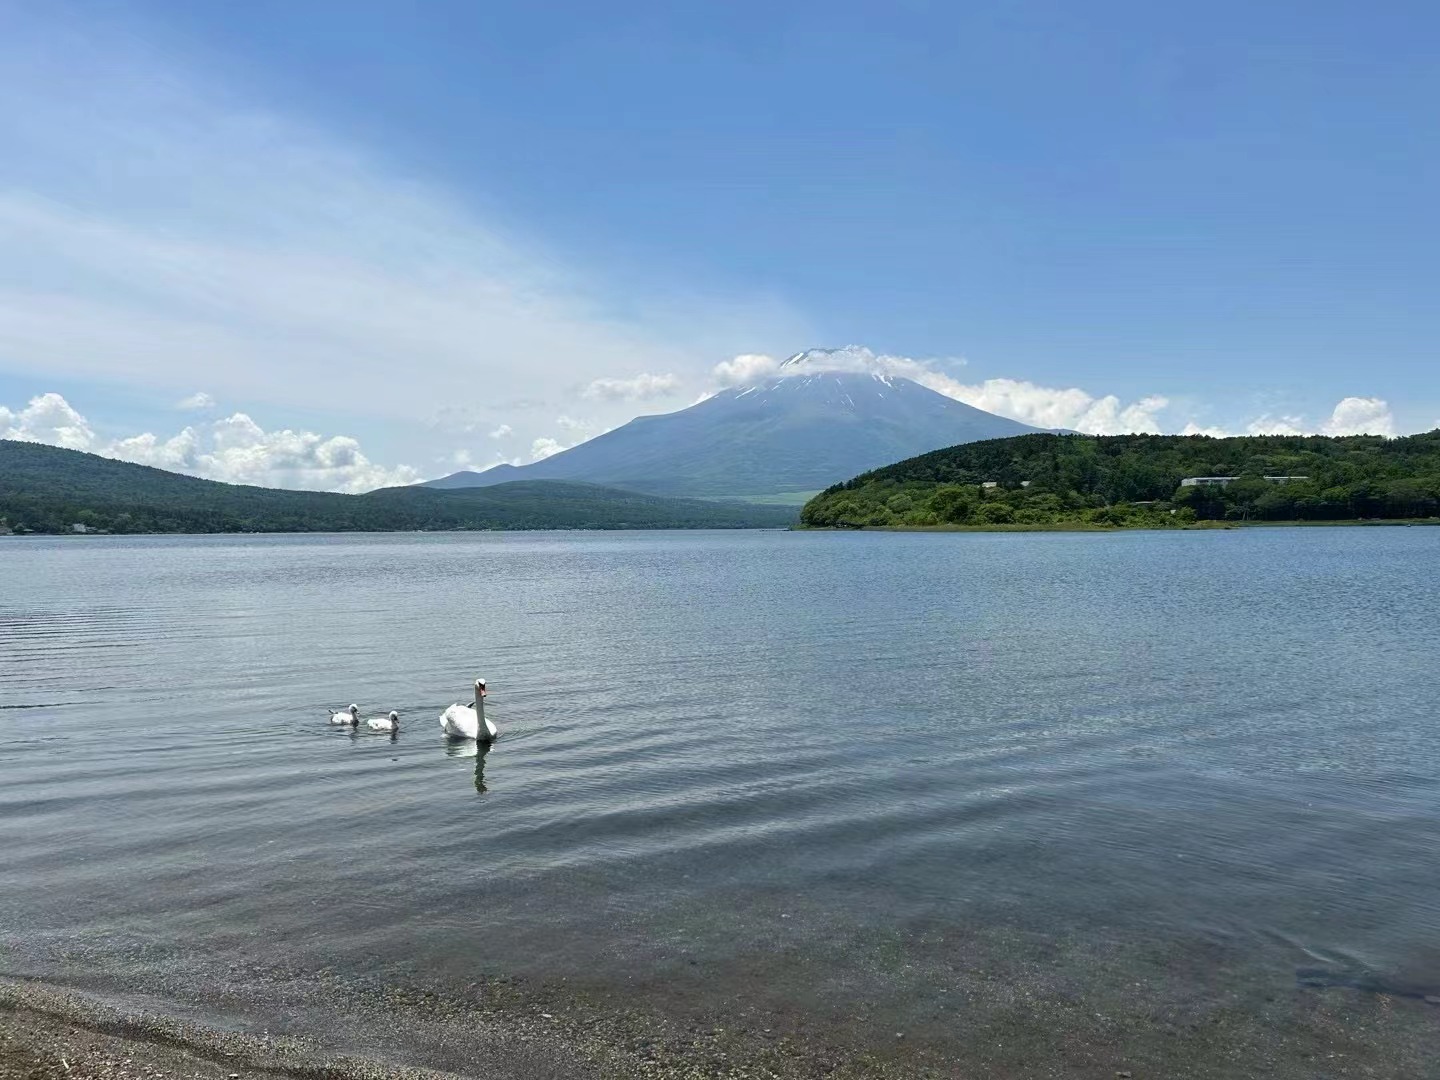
480, 710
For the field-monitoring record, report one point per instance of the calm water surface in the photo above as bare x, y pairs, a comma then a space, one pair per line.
916, 779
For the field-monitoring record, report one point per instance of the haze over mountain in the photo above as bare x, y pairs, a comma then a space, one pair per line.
802, 430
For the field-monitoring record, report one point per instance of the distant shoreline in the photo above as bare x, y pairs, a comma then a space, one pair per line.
1067, 527
1092, 527
94, 534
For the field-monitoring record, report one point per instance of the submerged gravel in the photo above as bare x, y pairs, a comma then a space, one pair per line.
50, 1034
524, 1032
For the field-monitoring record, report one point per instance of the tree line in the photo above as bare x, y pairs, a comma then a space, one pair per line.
1136, 481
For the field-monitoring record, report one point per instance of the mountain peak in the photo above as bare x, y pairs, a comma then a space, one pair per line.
845, 358
821, 417
833, 385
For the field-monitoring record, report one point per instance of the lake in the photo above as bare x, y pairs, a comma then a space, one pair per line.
1016, 804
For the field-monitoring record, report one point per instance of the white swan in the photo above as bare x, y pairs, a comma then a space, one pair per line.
350, 716
468, 721
385, 723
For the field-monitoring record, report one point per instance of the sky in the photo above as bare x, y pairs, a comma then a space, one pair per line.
339, 245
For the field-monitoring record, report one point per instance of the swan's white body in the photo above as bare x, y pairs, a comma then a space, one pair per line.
463, 722
469, 721
347, 717
385, 723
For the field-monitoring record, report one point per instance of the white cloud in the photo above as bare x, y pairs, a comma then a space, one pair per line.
643, 387
235, 449
1351, 416
1053, 407
502, 431
1192, 428
1276, 425
1360, 416
542, 448
576, 432
179, 453
745, 369
48, 418
197, 400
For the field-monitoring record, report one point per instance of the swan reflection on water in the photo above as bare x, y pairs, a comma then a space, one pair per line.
477, 751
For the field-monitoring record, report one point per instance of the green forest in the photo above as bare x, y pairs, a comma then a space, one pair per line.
1120, 481
44, 489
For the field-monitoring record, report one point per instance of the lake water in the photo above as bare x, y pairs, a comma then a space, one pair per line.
1045, 803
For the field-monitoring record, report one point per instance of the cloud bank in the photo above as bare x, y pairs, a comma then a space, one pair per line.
1360, 416
1042, 406
47, 419
745, 369
1351, 416
234, 449
1070, 408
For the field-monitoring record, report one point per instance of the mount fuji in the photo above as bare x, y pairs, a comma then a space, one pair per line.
794, 433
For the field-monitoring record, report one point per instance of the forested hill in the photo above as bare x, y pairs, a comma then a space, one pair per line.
49, 490
1136, 480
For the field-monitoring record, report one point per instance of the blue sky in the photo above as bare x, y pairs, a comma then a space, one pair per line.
393, 238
